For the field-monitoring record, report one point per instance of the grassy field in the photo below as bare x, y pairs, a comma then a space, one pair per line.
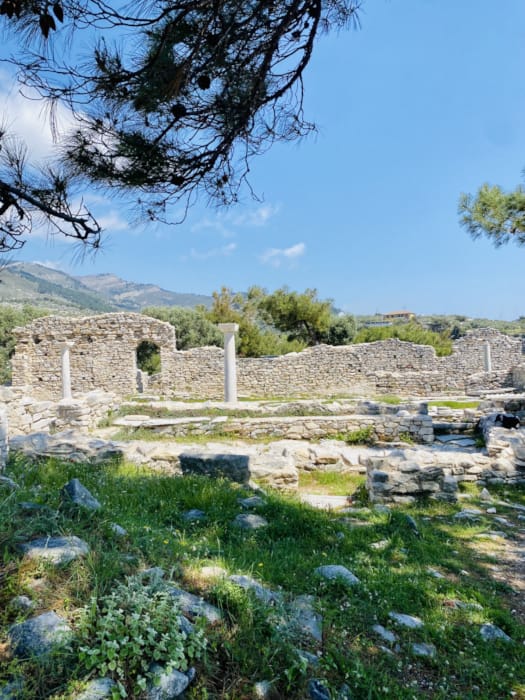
395, 565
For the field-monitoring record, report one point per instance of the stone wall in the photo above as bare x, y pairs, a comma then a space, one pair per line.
104, 357
388, 366
26, 414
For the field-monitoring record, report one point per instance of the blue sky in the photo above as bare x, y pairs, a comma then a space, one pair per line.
425, 101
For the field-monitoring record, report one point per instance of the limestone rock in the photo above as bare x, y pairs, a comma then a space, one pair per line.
492, 633
57, 550
317, 690
97, 689
386, 635
251, 502
229, 466
250, 521
336, 572
39, 635
403, 620
195, 606
265, 595
194, 515
78, 494
169, 684
304, 620
422, 649
6, 482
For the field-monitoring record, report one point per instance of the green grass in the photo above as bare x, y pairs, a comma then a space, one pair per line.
330, 483
247, 646
455, 404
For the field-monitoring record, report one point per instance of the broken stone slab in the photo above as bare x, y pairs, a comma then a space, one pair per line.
118, 530
323, 502
277, 471
78, 494
39, 635
250, 521
303, 618
22, 603
317, 690
168, 684
97, 689
57, 550
194, 605
230, 466
386, 635
492, 633
336, 572
265, 595
410, 621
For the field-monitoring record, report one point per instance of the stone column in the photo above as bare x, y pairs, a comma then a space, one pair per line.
66, 370
487, 359
4, 438
230, 367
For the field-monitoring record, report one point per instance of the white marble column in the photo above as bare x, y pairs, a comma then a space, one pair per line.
66, 369
230, 367
4, 438
487, 359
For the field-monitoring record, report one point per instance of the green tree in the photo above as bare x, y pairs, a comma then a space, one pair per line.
341, 331
498, 215
409, 332
302, 316
11, 317
170, 99
192, 328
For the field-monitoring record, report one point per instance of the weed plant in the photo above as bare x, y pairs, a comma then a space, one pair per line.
252, 643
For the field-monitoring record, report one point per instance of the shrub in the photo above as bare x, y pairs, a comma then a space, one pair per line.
123, 633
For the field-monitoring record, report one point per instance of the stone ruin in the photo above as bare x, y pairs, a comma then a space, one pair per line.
103, 351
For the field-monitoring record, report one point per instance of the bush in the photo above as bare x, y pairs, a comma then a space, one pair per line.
122, 634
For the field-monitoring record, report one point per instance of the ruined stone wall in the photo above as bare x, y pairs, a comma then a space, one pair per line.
388, 366
103, 355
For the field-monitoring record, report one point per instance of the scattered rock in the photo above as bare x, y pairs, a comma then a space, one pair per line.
386, 635
8, 483
336, 572
22, 603
168, 684
304, 620
491, 633
58, 550
421, 649
78, 494
97, 689
468, 514
14, 690
382, 544
194, 515
485, 495
195, 606
250, 521
412, 525
265, 595
409, 621
118, 530
229, 466
317, 690
251, 502
39, 635
434, 573
264, 690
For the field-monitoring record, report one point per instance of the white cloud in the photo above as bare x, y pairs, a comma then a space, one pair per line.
222, 252
27, 117
224, 223
277, 256
112, 221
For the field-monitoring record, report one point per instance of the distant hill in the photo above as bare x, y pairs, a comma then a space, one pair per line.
133, 296
37, 285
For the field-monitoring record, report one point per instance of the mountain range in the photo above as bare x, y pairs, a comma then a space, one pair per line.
44, 287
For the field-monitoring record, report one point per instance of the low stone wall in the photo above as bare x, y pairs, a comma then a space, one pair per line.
417, 427
26, 414
103, 356
389, 366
